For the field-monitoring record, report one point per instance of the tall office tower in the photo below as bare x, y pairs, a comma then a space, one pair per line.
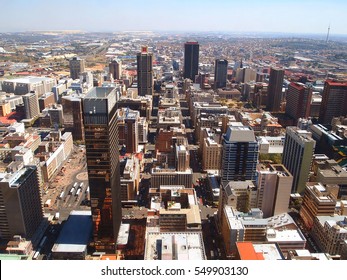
21, 210
182, 158
73, 117
77, 66
220, 73
128, 130
115, 68
317, 201
211, 154
245, 75
334, 102
144, 72
274, 188
298, 101
297, 156
191, 60
239, 155
31, 105
101, 138
274, 95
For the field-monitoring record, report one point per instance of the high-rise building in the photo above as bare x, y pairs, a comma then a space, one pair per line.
128, 134
274, 188
245, 75
182, 158
334, 102
115, 68
73, 117
31, 105
220, 73
297, 156
77, 66
21, 211
298, 101
317, 201
239, 155
144, 72
191, 60
274, 95
101, 139
211, 154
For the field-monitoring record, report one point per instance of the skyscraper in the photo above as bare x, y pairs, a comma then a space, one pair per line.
334, 102
274, 96
240, 154
21, 210
115, 68
128, 133
220, 73
298, 101
31, 105
77, 66
73, 116
144, 72
101, 138
274, 187
297, 156
191, 60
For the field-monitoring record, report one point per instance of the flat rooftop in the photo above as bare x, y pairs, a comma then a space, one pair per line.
29, 79
240, 134
174, 246
75, 233
99, 92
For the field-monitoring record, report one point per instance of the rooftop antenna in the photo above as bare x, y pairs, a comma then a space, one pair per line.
326, 41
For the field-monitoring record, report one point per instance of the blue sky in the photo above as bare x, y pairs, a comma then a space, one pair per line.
305, 16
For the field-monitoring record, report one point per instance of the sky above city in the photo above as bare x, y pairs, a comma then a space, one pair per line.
295, 16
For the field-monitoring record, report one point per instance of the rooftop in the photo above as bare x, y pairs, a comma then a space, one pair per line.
240, 134
99, 92
174, 246
75, 233
29, 79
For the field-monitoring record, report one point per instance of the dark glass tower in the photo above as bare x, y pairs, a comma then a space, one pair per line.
220, 73
334, 101
191, 60
101, 138
144, 72
274, 96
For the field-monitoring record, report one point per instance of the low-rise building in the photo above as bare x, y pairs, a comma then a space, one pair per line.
74, 237
174, 246
19, 246
271, 144
304, 254
169, 117
236, 226
263, 124
258, 251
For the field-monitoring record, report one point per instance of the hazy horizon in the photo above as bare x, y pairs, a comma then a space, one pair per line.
268, 16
